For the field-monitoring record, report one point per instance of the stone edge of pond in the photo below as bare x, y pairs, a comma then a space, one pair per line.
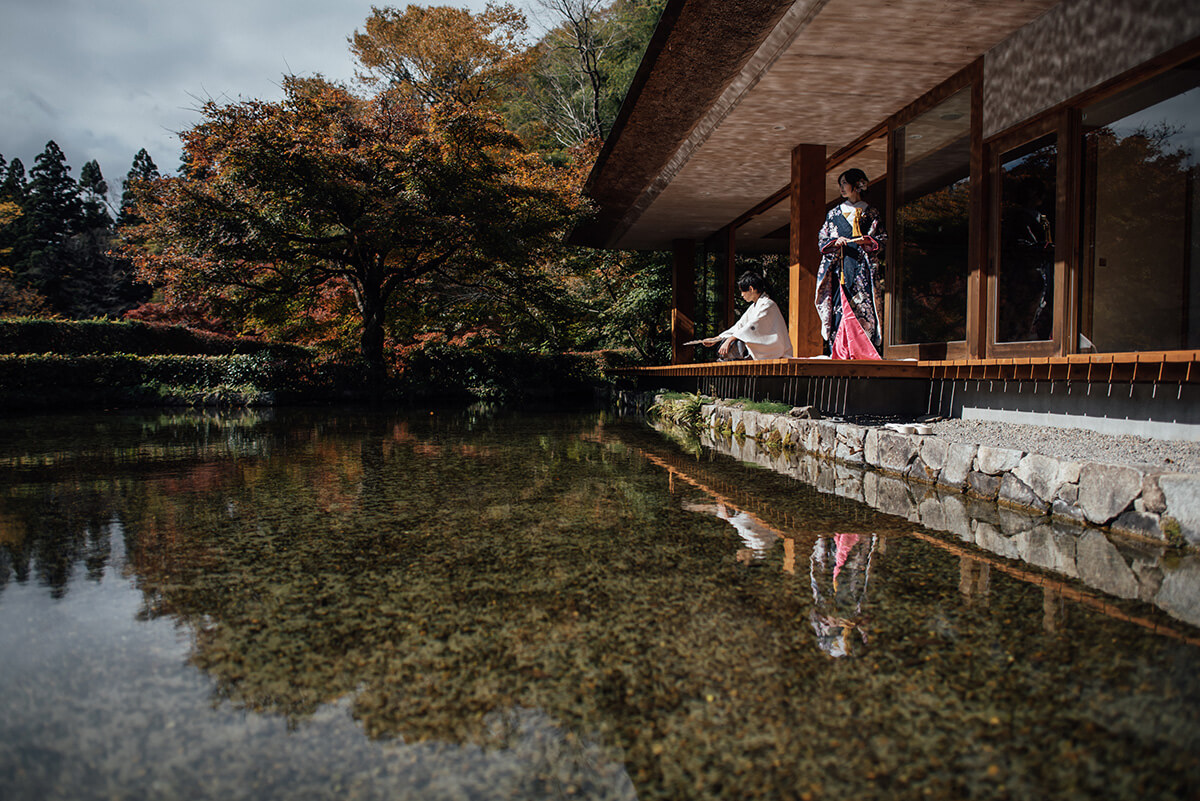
1139, 501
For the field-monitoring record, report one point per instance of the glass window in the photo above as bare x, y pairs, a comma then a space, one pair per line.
1025, 263
1139, 287
931, 243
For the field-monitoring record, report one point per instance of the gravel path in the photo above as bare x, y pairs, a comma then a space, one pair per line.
1074, 444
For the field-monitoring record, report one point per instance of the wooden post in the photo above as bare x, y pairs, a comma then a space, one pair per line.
808, 214
683, 301
977, 305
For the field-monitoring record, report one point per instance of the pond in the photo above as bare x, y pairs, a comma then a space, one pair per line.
351, 604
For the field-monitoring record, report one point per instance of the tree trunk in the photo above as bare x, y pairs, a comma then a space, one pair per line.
370, 305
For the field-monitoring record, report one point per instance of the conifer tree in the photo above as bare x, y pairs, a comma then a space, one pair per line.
53, 206
95, 197
143, 169
12, 182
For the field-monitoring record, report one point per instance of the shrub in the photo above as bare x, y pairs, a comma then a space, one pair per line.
102, 336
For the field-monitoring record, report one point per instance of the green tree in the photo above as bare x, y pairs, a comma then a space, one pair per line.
94, 191
402, 205
53, 206
13, 186
142, 169
584, 65
52, 214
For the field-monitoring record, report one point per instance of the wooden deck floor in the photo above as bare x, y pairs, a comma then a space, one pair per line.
1173, 367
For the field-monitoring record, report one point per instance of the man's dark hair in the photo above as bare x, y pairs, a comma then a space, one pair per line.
752, 280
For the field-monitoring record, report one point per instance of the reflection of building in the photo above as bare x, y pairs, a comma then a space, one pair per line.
1083, 112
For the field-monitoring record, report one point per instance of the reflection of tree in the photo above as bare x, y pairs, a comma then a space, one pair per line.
1142, 188
1024, 293
932, 286
526, 582
46, 535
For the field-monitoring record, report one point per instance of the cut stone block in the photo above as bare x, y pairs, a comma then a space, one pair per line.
1107, 490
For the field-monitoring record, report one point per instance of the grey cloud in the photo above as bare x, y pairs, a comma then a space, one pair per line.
106, 79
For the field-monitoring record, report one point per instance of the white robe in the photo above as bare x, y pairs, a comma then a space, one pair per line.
763, 329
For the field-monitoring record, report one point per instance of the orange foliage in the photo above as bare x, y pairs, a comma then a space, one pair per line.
443, 54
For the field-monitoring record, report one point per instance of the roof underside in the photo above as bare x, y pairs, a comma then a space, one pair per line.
728, 89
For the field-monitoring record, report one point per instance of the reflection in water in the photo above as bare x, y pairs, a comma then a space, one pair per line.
839, 569
352, 605
757, 536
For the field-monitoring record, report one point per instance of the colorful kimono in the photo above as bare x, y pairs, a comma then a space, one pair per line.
851, 268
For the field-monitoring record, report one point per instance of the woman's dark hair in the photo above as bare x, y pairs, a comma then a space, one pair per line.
855, 177
752, 280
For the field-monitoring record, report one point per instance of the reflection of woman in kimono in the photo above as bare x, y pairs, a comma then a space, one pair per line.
850, 241
838, 569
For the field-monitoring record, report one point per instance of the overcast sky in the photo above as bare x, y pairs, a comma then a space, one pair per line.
105, 78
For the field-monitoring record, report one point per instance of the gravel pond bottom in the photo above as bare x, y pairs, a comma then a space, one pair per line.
354, 605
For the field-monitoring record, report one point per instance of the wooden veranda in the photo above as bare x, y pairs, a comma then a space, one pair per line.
1162, 386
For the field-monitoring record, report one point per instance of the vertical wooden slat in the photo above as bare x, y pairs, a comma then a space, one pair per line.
808, 207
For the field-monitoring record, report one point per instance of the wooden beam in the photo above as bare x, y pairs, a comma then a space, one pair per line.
808, 214
683, 301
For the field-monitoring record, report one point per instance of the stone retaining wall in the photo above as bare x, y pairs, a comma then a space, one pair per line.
1143, 501
1132, 568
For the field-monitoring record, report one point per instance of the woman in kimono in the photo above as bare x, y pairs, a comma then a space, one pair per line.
761, 328
850, 242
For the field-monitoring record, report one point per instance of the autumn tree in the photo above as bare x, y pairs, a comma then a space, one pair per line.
16, 300
399, 203
442, 54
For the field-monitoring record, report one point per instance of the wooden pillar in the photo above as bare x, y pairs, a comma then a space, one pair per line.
977, 305
683, 301
808, 214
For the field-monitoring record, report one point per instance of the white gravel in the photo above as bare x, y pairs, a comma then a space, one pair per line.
1075, 444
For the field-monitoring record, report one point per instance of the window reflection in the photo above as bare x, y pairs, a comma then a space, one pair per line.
1025, 267
1140, 284
933, 154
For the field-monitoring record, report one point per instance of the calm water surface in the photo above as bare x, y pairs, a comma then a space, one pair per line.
432, 606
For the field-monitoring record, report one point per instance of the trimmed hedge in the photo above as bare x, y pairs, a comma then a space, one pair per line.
84, 337
82, 364
34, 381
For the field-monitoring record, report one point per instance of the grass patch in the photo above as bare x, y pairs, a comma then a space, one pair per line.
764, 406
